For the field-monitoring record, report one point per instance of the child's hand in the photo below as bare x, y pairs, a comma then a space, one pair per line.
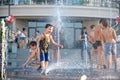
61, 46
24, 65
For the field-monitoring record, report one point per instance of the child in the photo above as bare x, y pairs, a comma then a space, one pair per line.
92, 41
109, 38
43, 44
99, 44
33, 53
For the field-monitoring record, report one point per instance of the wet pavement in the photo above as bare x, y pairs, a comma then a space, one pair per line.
70, 67
61, 74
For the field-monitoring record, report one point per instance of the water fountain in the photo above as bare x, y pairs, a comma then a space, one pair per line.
69, 66
68, 63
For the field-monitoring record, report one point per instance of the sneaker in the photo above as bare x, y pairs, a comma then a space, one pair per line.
42, 71
39, 68
45, 72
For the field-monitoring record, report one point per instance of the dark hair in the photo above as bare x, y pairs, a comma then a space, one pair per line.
33, 43
82, 31
48, 25
23, 29
101, 20
92, 26
84, 27
106, 23
38, 31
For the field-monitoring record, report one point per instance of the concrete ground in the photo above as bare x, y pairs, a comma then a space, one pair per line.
70, 67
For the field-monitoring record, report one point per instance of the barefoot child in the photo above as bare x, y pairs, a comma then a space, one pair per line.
33, 53
109, 37
99, 42
92, 41
43, 44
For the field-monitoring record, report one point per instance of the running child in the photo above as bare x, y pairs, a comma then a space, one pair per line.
43, 44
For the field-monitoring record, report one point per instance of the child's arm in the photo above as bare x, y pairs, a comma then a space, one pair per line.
55, 43
38, 54
29, 58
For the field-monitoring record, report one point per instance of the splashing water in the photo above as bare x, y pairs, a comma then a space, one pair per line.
71, 61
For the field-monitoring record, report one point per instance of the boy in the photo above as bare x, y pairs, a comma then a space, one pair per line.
33, 53
109, 38
43, 44
92, 41
99, 43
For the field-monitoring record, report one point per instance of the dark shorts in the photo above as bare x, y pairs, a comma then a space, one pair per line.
44, 56
97, 44
94, 46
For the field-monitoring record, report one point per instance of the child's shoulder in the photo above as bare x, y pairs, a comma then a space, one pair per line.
31, 51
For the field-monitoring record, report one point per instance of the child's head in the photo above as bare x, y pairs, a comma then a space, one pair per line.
33, 44
49, 28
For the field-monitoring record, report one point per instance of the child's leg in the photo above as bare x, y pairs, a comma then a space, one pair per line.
29, 58
38, 56
46, 60
92, 56
114, 55
42, 60
109, 61
100, 57
46, 64
115, 61
43, 64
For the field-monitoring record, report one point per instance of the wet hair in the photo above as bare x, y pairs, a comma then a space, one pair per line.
33, 43
82, 31
24, 29
38, 31
106, 23
48, 25
84, 27
92, 26
100, 21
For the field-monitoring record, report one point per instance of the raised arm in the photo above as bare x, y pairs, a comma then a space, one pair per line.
55, 43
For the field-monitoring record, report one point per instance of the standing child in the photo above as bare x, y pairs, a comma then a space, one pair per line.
99, 42
43, 44
109, 37
92, 41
